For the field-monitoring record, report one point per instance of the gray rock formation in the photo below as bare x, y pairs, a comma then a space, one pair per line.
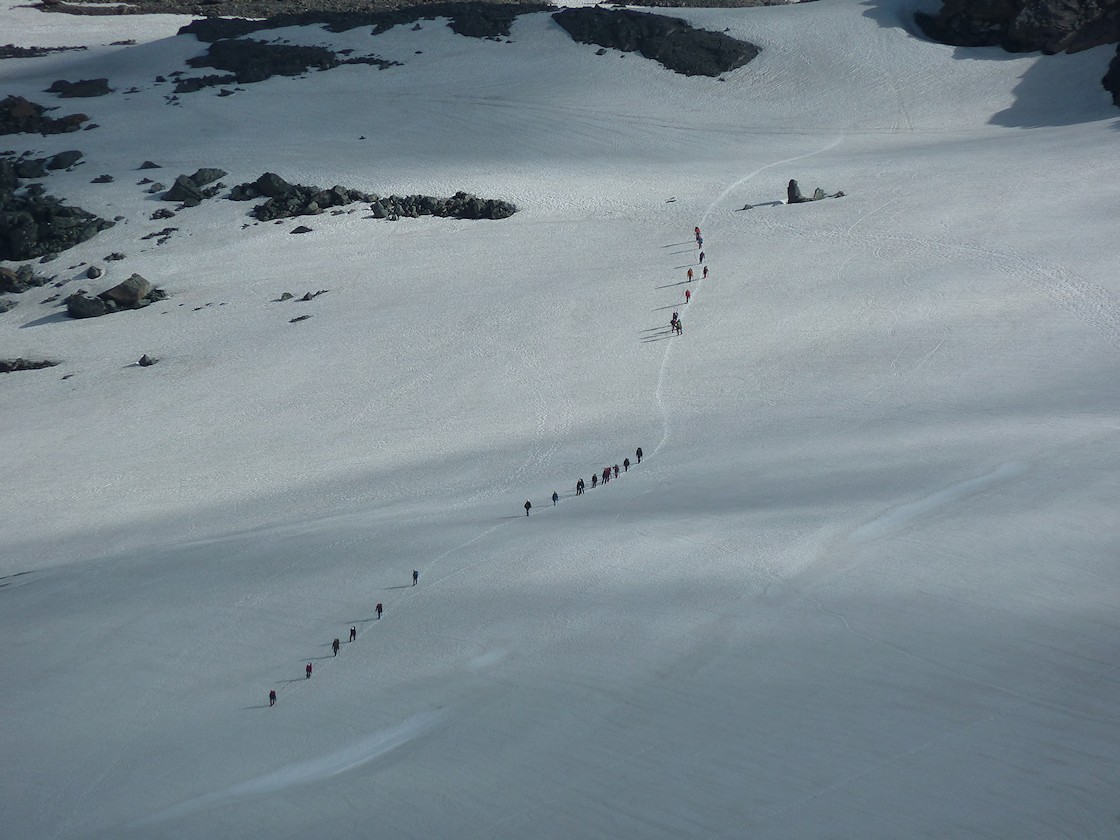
672, 42
129, 293
22, 116
84, 88
1051, 26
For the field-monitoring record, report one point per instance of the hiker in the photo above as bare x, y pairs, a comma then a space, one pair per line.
701, 260
638, 454
616, 470
606, 474
594, 480
378, 608
704, 276
308, 670
528, 505
673, 322
697, 230
353, 633
415, 576
579, 487
626, 465
680, 327
687, 295
699, 241
334, 647
555, 498
272, 697
690, 275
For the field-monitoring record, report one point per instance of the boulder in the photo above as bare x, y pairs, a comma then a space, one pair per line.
7, 304
82, 305
129, 293
64, 160
19, 116
184, 190
83, 88
207, 176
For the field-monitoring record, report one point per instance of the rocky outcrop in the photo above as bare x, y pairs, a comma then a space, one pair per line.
286, 200
22, 116
1051, 26
83, 89
478, 20
1111, 80
17, 281
34, 226
11, 365
254, 61
134, 293
671, 42
190, 190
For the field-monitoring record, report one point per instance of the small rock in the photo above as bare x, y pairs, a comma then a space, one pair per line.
148, 164
299, 318
102, 179
93, 272
301, 229
146, 361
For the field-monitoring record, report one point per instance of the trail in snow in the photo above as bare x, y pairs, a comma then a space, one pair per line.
306, 772
898, 518
659, 392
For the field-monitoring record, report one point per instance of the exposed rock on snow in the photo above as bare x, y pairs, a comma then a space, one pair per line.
10, 365
22, 116
671, 42
1051, 26
134, 293
478, 20
82, 89
286, 200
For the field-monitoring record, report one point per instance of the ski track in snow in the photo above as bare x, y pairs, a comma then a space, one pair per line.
306, 772
898, 518
660, 389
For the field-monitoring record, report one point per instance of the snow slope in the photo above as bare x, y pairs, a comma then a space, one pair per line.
863, 584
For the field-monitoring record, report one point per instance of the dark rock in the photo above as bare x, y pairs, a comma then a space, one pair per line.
102, 179
82, 305
19, 116
184, 190
129, 293
149, 165
1051, 26
793, 193
301, 229
156, 187
255, 61
146, 361
299, 318
284, 297
38, 225
12, 365
197, 83
21, 279
93, 272
207, 176
484, 20
64, 160
31, 168
163, 213
115, 256
12, 51
83, 89
671, 42
1111, 80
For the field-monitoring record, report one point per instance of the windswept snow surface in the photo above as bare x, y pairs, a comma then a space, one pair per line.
864, 584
